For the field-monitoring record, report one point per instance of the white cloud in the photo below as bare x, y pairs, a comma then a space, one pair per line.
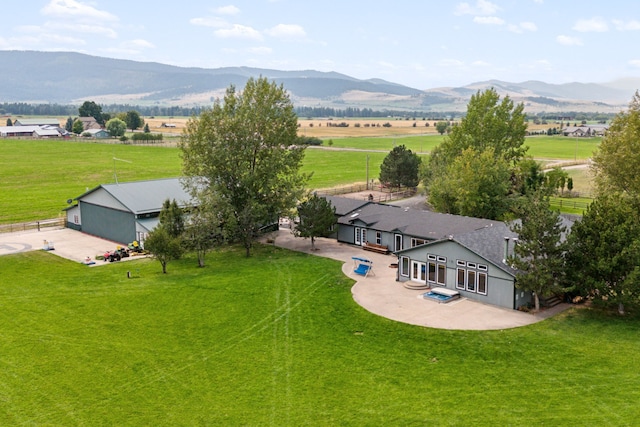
238, 31
480, 64
522, 27
140, 43
227, 10
482, 7
286, 31
635, 63
488, 20
213, 22
450, 63
632, 25
81, 28
597, 25
528, 26
569, 41
261, 50
75, 9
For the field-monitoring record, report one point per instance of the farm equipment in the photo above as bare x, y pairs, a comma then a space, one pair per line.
135, 247
116, 255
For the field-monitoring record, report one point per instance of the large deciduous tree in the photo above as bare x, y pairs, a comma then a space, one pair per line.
91, 109
474, 184
316, 218
400, 168
616, 162
116, 127
133, 120
490, 126
603, 259
244, 149
538, 253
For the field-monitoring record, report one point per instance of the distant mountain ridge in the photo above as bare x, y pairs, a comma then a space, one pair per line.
71, 78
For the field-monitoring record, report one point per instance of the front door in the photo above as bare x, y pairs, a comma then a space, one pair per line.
360, 236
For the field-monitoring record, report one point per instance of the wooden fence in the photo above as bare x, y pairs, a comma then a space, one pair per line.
35, 225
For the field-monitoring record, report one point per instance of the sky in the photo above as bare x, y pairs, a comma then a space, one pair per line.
418, 43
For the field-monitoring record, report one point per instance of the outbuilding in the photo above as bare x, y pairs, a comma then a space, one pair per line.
124, 212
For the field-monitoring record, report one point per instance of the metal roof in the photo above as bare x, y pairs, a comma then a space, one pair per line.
142, 197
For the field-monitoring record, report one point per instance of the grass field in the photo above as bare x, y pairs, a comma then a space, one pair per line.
40, 176
277, 339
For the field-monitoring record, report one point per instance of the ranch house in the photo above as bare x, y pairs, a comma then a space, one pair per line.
463, 254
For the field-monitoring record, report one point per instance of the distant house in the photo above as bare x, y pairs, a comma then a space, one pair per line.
98, 133
124, 212
89, 123
585, 130
37, 122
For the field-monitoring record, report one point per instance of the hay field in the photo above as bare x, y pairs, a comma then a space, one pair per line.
322, 127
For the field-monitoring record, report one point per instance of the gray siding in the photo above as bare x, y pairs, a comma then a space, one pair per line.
111, 224
500, 284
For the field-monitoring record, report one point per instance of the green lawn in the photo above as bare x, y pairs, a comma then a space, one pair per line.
417, 144
277, 339
561, 147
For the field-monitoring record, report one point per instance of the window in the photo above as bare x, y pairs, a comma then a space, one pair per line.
437, 269
460, 278
378, 238
398, 242
472, 277
404, 266
471, 280
432, 271
417, 242
482, 283
358, 236
442, 274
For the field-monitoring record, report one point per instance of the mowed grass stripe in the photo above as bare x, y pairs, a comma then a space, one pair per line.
277, 339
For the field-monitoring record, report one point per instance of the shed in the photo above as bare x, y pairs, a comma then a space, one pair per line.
124, 212
37, 122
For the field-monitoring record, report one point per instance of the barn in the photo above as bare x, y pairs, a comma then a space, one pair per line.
124, 212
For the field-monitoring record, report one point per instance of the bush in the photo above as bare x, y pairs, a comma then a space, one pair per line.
310, 140
148, 137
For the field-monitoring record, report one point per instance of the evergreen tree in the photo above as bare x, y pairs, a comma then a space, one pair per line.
604, 251
400, 168
538, 253
316, 218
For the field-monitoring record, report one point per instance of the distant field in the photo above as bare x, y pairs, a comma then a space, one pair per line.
39, 176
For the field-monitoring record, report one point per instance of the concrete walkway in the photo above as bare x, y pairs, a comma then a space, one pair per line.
382, 295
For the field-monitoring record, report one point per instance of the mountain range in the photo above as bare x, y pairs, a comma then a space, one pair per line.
71, 78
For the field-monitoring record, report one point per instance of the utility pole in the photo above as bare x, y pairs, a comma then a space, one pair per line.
367, 172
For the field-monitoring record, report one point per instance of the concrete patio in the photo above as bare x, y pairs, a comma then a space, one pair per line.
381, 294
